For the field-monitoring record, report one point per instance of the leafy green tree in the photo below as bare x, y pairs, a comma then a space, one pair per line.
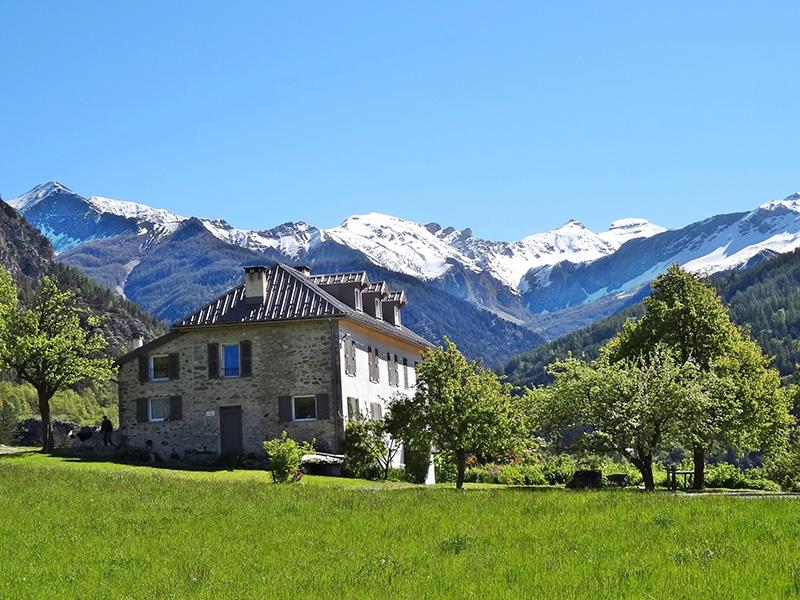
46, 345
367, 444
632, 407
741, 405
459, 408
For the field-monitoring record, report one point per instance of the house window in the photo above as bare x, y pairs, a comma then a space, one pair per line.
353, 410
359, 304
304, 408
157, 409
159, 367
397, 316
375, 411
378, 312
374, 365
405, 372
230, 360
350, 356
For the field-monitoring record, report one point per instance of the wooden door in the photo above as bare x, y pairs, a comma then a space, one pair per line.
230, 430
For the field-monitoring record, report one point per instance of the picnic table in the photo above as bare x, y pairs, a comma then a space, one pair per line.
672, 477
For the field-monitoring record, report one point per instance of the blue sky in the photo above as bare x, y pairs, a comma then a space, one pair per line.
509, 118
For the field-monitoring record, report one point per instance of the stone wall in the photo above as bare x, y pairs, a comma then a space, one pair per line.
288, 359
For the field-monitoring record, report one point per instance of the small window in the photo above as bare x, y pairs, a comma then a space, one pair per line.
359, 304
230, 360
159, 367
353, 409
157, 409
305, 408
405, 372
378, 312
397, 316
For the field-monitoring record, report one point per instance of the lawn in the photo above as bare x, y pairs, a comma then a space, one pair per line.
85, 530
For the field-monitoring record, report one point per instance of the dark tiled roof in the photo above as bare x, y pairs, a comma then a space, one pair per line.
337, 278
290, 296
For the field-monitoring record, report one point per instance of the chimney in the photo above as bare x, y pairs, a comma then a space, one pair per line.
137, 342
304, 270
255, 283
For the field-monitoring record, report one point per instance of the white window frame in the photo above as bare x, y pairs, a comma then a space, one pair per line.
397, 316
150, 418
151, 370
353, 412
222, 361
359, 302
378, 309
314, 418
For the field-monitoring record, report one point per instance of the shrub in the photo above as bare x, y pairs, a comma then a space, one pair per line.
284, 456
506, 474
725, 475
445, 467
417, 461
784, 468
559, 469
8, 422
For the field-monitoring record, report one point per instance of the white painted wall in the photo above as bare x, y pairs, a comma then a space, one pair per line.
359, 386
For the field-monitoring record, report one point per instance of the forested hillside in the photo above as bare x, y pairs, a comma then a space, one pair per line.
765, 298
27, 256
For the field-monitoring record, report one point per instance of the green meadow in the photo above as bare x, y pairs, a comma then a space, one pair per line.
100, 530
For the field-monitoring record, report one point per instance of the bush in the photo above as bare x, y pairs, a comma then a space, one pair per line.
559, 469
725, 475
8, 422
445, 467
284, 456
784, 468
417, 461
506, 474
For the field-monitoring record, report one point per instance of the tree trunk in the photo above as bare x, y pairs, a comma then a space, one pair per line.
645, 466
461, 463
48, 443
699, 455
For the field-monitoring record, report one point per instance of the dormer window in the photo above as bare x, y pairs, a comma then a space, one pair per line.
378, 311
358, 302
396, 316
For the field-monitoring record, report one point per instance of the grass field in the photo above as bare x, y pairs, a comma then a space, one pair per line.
91, 530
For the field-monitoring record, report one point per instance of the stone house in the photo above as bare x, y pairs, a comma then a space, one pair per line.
283, 351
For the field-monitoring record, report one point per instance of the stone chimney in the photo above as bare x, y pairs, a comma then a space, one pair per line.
137, 342
304, 270
255, 283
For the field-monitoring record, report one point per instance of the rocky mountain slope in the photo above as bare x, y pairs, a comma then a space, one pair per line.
550, 283
28, 255
765, 298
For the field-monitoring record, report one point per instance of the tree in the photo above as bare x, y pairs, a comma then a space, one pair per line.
741, 405
459, 407
367, 443
46, 345
632, 407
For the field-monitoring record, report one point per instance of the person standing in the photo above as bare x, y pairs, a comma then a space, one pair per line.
107, 428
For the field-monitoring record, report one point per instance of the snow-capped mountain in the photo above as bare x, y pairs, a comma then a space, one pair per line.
718, 244
425, 251
531, 282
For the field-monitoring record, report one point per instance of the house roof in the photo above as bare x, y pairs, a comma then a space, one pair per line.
290, 296
338, 278
398, 296
377, 287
